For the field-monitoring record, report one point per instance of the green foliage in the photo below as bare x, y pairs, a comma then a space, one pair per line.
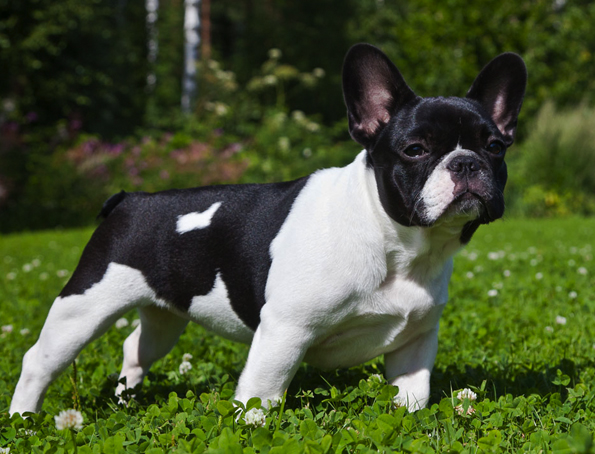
525, 350
551, 172
238, 135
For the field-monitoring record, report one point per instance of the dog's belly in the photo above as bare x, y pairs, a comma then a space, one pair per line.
367, 336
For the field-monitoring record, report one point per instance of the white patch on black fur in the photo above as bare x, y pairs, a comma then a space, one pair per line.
438, 192
195, 221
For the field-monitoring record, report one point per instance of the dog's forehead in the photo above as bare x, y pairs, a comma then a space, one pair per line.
445, 120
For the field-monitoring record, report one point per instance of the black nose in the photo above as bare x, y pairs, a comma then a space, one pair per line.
463, 164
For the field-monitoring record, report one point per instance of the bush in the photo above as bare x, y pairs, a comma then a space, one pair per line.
236, 135
551, 172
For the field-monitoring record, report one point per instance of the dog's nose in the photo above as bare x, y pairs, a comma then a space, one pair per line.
463, 164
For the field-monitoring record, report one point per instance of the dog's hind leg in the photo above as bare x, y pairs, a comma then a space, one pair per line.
158, 332
73, 322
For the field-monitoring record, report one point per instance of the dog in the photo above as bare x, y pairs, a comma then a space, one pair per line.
333, 269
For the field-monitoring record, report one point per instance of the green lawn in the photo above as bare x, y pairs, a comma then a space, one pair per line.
519, 330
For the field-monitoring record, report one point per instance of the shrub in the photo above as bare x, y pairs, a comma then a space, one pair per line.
551, 173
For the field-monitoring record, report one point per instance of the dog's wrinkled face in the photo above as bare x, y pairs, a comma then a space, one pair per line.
434, 158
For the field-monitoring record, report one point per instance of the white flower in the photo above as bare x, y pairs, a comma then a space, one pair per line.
4, 450
25, 331
493, 292
467, 394
69, 419
539, 276
460, 410
478, 269
27, 267
549, 329
7, 329
560, 320
135, 322
506, 273
43, 276
497, 285
185, 367
255, 417
572, 295
121, 323
62, 273
36, 262
186, 357
582, 270
472, 256
571, 262
11, 276
376, 378
469, 274
533, 262
493, 256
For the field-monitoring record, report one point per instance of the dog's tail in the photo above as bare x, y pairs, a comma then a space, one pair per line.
111, 203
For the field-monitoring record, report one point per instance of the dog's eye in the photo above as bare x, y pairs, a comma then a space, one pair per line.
495, 148
415, 151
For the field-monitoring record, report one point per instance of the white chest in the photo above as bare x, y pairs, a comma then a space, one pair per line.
384, 321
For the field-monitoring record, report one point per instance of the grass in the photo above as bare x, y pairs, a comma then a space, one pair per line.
519, 331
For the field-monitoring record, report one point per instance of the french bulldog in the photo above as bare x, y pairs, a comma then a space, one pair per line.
333, 269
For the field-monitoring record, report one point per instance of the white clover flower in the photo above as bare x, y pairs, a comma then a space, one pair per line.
69, 419
121, 323
255, 417
506, 273
571, 262
11, 276
539, 276
460, 410
572, 295
43, 276
497, 285
185, 367
493, 292
25, 331
582, 270
470, 275
549, 329
376, 378
27, 267
560, 320
478, 269
7, 329
284, 143
62, 273
467, 394
186, 357
472, 256
135, 322
532, 250
35, 262
558, 288
493, 256
533, 262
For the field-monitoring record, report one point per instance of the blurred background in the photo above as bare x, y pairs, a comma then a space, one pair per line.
102, 95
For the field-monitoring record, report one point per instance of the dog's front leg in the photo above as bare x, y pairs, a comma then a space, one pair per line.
410, 367
277, 350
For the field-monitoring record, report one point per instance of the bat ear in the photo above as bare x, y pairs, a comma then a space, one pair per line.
373, 89
500, 89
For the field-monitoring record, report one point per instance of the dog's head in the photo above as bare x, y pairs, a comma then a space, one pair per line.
434, 158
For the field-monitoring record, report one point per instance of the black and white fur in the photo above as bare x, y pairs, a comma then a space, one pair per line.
334, 269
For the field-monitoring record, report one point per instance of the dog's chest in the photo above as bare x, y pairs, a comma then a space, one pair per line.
384, 321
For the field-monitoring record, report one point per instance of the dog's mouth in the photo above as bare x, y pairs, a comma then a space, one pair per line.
474, 205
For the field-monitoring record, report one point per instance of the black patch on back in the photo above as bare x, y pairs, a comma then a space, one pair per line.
140, 232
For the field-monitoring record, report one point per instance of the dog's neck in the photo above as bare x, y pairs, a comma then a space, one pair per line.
419, 253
